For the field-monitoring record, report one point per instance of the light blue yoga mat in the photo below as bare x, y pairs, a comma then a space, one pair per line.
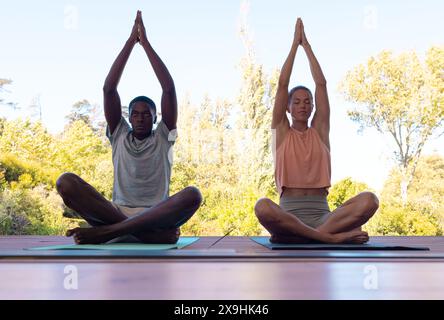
181, 243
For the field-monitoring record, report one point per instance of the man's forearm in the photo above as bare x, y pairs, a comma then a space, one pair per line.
113, 78
161, 71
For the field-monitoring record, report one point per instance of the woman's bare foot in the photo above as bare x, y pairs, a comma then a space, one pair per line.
289, 239
94, 235
354, 236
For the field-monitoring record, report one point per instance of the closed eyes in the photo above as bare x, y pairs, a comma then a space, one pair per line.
297, 101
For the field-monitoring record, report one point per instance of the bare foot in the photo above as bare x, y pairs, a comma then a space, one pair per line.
289, 239
354, 236
94, 235
159, 236
102, 234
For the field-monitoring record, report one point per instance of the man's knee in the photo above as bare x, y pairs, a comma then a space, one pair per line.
193, 196
66, 184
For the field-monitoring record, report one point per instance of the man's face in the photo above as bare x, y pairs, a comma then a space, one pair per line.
141, 119
301, 105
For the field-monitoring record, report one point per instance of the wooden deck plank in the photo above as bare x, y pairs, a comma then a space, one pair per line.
216, 280
222, 278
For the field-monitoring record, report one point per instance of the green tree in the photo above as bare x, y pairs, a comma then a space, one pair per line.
81, 110
3, 83
30, 162
29, 141
89, 113
32, 211
343, 190
2, 125
255, 101
422, 214
81, 151
13, 213
224, 149
403, 97
203, 157
13, 170
35, 108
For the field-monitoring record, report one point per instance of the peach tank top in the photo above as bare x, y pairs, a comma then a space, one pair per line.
302, 161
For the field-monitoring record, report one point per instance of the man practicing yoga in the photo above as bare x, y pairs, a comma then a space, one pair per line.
141, 209
303, 169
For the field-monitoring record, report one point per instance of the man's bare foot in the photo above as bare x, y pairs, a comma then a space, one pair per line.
102, 234
159, 236
94, 235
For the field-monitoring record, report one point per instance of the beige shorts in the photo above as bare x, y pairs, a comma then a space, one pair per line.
311, 210
128, 211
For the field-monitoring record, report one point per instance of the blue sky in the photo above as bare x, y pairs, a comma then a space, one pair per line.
62, 51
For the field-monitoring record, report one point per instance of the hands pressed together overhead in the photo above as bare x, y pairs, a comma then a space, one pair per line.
138, 33
299, 34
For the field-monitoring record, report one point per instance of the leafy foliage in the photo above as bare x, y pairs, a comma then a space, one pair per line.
224, 150
344, 190
402, 97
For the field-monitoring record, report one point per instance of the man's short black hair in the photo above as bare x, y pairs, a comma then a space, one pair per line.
147, 100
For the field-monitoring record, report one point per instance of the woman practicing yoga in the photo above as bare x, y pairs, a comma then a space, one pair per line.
142, 209
303, 169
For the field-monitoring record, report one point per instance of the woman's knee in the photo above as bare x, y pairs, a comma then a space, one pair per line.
262, 209
370, 202
66, 183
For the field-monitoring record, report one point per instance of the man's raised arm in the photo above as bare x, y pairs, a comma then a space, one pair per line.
111, 99
169, 99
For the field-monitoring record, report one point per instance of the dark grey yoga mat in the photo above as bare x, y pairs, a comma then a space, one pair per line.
265, 241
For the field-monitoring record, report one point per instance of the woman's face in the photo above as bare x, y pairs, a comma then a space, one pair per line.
301, 105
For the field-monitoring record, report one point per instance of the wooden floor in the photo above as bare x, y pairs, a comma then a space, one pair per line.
235, 278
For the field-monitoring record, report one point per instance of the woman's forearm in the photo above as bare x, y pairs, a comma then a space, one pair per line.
316, 71
284, 78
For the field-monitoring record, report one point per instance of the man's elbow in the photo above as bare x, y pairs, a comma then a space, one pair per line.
108, 89
169, 90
